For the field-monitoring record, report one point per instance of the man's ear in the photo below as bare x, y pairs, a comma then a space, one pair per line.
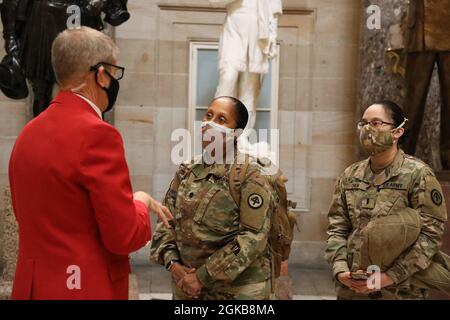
102, 78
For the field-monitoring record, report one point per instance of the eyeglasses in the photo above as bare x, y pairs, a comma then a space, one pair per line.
373, 123
116, 72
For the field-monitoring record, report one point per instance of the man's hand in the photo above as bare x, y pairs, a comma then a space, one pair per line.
161, 211
273, 35
190, 284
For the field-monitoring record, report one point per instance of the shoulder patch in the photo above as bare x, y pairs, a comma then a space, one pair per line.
255, 201
432, 199
254, 206
436, 197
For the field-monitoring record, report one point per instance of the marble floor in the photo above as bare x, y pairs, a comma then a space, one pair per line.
154, 283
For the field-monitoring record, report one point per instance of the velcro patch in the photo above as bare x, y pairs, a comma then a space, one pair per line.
254, 206
436, 197
255, 201
432, 199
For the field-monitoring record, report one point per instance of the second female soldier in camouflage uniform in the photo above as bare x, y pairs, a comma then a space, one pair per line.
389, 183
217, 249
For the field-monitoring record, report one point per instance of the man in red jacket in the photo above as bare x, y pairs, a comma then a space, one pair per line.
72, 197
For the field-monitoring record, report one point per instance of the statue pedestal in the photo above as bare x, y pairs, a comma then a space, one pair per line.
133, 287
284, 284
5, 289
10, 245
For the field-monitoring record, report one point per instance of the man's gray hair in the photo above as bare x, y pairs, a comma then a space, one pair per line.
74, 51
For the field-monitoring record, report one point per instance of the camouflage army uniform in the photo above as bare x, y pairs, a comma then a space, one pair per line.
361, 196
227, 244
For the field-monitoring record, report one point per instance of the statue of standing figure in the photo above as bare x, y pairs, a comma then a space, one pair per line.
29, 28
427, 45
247, 43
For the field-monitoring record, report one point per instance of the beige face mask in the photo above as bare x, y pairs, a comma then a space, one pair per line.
375, 141
221, 142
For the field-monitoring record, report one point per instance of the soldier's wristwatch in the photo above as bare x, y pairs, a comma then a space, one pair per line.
171, 263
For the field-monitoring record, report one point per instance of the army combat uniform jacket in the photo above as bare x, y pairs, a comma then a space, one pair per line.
361, 196
226, 243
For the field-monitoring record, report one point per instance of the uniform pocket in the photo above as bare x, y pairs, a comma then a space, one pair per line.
217, 212
355, 201
391, 201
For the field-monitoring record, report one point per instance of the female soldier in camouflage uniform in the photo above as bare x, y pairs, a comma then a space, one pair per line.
388, 184
217, 249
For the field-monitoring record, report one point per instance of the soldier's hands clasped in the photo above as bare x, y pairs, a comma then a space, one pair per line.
178, 271
190, 284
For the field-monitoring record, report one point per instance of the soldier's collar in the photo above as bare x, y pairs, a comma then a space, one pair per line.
397, 163
364, 172
361, 172
390, 172
219, 170
202, 170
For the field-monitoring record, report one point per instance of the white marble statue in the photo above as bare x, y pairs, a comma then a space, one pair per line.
247, 43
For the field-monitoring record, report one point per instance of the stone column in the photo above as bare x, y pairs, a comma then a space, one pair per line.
10, 245
377, 81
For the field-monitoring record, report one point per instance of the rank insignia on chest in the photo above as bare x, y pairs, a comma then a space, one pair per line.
255, 201
368, 203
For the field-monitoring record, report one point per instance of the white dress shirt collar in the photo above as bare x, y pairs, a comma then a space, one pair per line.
96, 109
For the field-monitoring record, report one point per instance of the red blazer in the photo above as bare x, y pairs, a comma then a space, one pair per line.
74, 205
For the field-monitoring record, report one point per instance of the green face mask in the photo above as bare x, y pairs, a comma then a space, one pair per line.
374, 141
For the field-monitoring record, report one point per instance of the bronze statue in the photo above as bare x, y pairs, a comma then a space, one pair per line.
29, 28
427, 44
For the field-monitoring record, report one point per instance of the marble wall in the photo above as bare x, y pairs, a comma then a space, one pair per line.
13, 116
317, 99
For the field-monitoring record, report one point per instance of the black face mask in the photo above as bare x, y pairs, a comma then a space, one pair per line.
112, 92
